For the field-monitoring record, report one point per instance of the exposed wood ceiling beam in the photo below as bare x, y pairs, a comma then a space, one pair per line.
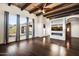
36, 8
71, 11
47, 4
55, 6
64, 11
64, 15
25, 6
9, 4
40, 6
59, 9
58, 5
39, 14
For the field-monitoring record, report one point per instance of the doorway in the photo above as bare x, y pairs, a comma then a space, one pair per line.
68, 35
30, 24
72, 33
23, 28
12, 25
17, 28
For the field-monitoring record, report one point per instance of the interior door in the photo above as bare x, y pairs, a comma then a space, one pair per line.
68, 35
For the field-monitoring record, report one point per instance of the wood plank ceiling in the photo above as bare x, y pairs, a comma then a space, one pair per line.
51, 10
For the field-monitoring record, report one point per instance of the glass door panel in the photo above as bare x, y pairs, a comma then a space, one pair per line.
23, 26
12, 28
30, 28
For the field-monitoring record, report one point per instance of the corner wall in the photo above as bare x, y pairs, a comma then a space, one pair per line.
39, 26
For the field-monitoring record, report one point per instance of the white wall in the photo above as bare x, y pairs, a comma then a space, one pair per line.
1, 27
39, 26
74, 25
48, 27
75, 28
58, 21
64, 20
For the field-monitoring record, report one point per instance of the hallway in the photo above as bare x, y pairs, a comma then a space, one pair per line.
36, 47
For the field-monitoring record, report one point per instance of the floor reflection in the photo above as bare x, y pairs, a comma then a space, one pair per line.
12, 49
68, 45
57, 50
62, 51
23, 45
37, 47
44, 39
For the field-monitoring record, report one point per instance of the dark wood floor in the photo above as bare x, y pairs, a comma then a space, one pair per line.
37, 47
75, 43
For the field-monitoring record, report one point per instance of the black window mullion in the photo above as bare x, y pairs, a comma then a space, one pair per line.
18, 28
6, 19
27, 28
33, 28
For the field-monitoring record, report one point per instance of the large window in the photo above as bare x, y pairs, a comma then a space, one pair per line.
18, 27
12, 22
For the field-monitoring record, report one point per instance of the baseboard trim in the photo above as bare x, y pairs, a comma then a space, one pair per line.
20, 40
75, 37
57, 39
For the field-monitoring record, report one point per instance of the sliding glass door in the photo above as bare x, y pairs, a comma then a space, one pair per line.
23, 27
12, 25
18, 28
